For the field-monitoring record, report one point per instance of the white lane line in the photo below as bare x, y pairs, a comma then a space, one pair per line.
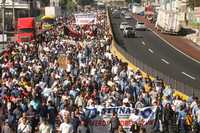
165, 61
188, 75
150, 50
143, 43
171, 45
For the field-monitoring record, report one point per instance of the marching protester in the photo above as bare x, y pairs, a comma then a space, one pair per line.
45, 127
67, 80
168, 115
83, 127
6, 128
66, 126
114, 123
135, 127
24, 126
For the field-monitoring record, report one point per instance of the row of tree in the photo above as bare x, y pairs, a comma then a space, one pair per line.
68, 4
194, 3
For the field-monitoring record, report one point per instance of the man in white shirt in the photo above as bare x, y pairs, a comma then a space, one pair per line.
45, 127
198, 115
66, 127
64, 113
24, 127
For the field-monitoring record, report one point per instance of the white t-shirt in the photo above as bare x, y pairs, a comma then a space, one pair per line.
93, 70
24, 128
115, 69
198, 116
64, 113
178, 103
45, 128
66, 128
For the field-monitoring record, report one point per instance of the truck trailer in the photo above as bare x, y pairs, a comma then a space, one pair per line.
167, 22
25, 29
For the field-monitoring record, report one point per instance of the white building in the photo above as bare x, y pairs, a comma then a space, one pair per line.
18, 4
174, 5
18, 8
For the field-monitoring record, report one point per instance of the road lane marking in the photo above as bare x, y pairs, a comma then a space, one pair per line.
143, 43
165, 61
150, 50
171, 45
188, 75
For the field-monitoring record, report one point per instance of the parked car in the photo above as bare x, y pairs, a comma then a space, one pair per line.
123, 25
140, 26
129, 31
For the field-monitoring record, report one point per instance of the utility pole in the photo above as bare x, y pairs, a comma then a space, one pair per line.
13, 12
3, 19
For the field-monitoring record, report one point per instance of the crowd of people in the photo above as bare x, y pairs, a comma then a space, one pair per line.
39, 95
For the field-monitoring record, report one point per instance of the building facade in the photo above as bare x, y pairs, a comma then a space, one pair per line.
178, 6
14, 9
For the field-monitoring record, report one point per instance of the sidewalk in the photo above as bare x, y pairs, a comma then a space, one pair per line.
179, 42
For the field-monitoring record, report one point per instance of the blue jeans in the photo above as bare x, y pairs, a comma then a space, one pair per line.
182, 126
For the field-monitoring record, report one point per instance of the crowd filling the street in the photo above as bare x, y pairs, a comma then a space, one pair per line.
67, 80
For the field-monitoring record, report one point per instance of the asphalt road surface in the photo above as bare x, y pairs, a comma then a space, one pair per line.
156, 53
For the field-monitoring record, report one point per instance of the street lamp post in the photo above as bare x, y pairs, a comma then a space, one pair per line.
13, 11
3, 19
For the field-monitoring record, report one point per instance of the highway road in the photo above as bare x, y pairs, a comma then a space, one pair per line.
156, 53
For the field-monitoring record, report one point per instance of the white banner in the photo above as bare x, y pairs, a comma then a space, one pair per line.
85, 18
100, 117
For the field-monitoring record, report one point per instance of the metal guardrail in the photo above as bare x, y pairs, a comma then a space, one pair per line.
175, 84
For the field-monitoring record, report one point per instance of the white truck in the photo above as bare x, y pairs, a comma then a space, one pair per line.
167, 22
53, 11
137, 9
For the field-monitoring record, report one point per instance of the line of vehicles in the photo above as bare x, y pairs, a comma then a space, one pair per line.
167, 21
125, 27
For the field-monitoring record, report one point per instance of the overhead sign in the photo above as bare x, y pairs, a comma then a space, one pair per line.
85, 18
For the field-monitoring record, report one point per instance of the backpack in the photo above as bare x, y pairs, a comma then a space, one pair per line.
188, 120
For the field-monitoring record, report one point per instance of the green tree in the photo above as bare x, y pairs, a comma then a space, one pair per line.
193, 3
85, 2
45, 2
68, 5
130, 1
